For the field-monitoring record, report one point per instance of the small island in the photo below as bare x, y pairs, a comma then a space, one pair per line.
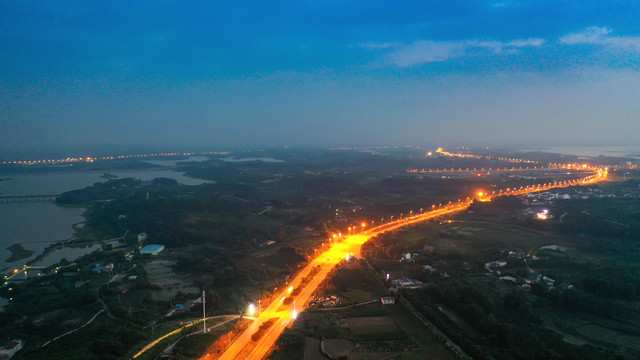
18, 252
108, 176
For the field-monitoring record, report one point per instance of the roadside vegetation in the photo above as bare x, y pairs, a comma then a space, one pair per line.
563, 289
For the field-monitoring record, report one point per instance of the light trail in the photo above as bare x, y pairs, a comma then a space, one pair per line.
441, 151
178, 330
114, 157
581, 167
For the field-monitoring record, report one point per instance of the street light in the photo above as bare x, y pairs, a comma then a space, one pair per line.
294, 314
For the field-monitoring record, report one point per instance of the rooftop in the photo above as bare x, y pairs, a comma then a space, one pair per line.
152, 248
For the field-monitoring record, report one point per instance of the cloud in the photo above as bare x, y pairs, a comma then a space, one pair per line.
503, 4
601, 36
429, 51
426, 51
378, 46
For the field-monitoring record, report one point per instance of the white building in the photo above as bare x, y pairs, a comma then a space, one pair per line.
388, 300
11, 349
142, 237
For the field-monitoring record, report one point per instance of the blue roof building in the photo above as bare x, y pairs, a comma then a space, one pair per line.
99, 269
153, 249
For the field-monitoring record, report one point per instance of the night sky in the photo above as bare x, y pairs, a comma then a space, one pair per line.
318, 73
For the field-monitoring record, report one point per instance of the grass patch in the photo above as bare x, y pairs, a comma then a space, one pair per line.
18, 252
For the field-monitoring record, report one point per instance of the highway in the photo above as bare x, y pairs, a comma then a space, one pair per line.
245, 348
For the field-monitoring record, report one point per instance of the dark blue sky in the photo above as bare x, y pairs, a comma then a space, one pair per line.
246, 73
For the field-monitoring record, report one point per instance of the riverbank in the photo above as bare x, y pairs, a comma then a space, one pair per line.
108, 176
37, 225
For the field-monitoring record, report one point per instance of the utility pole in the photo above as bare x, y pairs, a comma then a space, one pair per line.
204, 314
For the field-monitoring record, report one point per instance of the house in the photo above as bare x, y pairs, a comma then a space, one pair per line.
549, 281
10, 349
494, 264
99, 269
430, 269
408, 257
153, 249
532, 279
388, 300
407, 283
142, 237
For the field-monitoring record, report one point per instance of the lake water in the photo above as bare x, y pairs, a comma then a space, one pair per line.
69, 253
34, 225
174, 163
263, 159
37, 224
